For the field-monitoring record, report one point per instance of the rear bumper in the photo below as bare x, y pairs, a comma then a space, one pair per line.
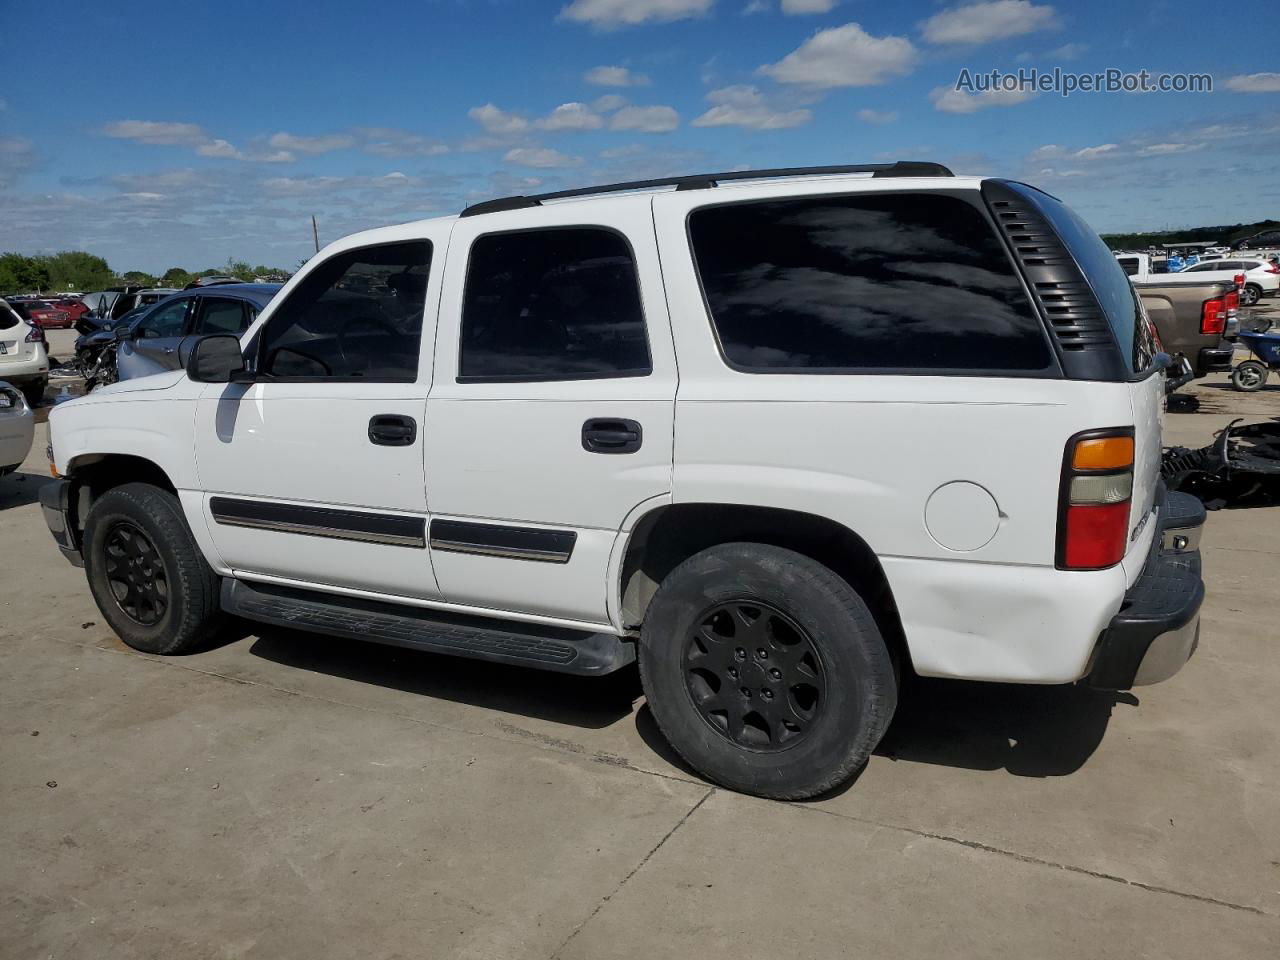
1216, 358
55, 504
1158, 626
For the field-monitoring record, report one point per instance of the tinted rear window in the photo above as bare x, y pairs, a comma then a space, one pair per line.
909, 282
1110, 284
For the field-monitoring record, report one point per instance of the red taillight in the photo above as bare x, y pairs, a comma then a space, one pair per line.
36, 336
1272, 268
1097, 487
1213, 316
1239, 281
1233, 302
1095, 536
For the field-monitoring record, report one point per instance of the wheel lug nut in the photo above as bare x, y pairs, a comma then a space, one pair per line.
733, 672
767, 694
762, 653
775, 673
740, 654
746, 693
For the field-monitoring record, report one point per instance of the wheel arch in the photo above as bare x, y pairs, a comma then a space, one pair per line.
668, 534
93, 474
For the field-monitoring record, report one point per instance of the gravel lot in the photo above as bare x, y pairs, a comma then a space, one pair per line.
287, 795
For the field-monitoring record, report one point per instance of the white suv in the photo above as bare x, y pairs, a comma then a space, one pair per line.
780, 436
24, 354
1261, 277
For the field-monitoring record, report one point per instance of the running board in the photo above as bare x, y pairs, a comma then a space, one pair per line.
479, 638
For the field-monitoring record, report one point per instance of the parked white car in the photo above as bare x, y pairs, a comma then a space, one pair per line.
780, 436
17, 428
1261, 277
24, 354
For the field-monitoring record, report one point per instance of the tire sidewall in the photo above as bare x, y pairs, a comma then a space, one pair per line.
123, 504
1254, 365
860, 687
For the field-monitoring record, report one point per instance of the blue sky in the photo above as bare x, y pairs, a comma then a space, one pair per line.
163, 134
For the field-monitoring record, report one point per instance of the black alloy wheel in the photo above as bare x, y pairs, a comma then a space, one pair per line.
754, 675
135, 574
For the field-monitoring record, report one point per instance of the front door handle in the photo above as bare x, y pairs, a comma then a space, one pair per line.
392, 430
609, 435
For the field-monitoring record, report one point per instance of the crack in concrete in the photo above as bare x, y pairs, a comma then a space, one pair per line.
634, 870
540, 744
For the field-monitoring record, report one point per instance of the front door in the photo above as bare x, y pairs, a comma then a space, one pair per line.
313, 474
550, 418
153, 345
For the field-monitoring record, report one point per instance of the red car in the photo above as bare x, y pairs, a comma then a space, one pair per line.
41, 313
72, 305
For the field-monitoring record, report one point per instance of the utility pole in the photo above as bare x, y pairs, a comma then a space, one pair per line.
315, 232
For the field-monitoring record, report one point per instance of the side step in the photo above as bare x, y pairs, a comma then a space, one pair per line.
479, 638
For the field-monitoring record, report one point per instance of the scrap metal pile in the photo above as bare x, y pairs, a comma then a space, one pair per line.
1240, 467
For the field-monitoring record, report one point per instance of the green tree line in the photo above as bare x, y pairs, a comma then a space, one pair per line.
1225, 234
85, 272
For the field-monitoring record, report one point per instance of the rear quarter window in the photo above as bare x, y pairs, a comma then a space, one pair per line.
901, 283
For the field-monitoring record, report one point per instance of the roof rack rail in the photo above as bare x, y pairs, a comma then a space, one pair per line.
705, 181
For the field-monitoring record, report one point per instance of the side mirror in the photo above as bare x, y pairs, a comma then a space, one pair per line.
122, 333
217, 359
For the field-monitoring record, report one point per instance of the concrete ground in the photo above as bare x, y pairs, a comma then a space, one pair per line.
287, 796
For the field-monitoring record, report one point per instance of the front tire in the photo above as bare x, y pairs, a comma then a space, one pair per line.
146, 572
766, 671
1249, 376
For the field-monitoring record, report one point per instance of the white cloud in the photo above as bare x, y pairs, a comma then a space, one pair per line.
275, 156
391, 142
795, 7
1254, 83
755, 6
155, 132
608, 103
540, 157
744, 106
322, 144
17, 156
609, 14
867, 115
645, 119
1068, 51
844, 56
615, 77
950, 100
1090, 153
218, 148
978, 23
1167, 149
496, 120
571, 116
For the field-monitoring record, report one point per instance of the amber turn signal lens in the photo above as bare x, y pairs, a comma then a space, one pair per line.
1104, 453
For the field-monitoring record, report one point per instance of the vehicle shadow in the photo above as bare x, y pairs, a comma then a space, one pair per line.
1026, 731
587, 702
20, 489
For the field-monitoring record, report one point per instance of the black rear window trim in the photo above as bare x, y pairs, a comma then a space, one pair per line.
459, 377
1051, 372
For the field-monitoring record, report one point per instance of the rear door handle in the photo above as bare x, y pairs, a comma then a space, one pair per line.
609, 435
392, 430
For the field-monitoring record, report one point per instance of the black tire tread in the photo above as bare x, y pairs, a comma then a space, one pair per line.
194, 587
883, 697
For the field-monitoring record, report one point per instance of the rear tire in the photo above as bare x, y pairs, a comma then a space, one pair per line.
1250, 295
146, 572
1249, 376
766, 671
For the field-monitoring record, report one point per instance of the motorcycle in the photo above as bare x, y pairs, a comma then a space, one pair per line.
95, 358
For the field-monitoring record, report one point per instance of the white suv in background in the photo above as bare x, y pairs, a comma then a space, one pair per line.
780, 436
1261, 277
24, 354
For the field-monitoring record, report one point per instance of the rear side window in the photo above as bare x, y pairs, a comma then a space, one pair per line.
8, 318
1129, 265
554, 304
357, 316
220, 316
907, 283
1110, 285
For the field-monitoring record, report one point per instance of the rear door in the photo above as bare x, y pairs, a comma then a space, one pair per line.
550, 419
